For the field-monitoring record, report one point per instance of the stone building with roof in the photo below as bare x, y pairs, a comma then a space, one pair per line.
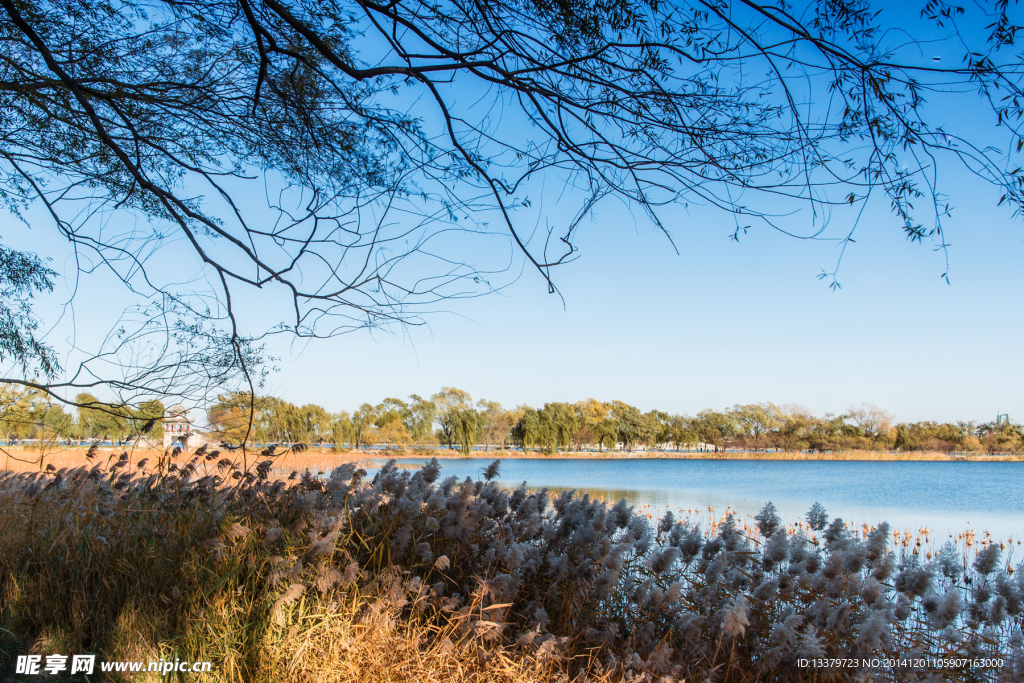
178, 428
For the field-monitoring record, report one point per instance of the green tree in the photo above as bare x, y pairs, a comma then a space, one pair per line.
1001, 437
450, 405
559, 424
527, 430
420, 419
874, 422
794, 430
149, 422
756, 420
607, 433
16, 412
590, 414
237, 418
465, 424
27, 413
631, 425
393, 434
662, 424
715, 428
683, 431
392, 410
495, 423
56, 423
363, 424
280, 422
658, 429
342, 431
827, 433
316, 423
23, 275
101, 420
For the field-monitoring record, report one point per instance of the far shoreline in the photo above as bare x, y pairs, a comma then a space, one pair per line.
672, 455
27, 459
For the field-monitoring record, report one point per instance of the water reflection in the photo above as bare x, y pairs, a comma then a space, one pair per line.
937, 501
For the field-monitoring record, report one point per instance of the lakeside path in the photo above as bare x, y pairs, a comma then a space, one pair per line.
29, 459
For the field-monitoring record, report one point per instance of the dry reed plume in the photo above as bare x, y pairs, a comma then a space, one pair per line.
33, 459
410, 577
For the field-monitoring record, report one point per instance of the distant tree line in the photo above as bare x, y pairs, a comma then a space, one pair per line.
450, 418
27, 413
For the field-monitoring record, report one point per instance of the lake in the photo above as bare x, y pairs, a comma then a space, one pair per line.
947, 497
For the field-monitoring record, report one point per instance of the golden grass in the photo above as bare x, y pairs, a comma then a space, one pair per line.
29, 459
139, 582
311, 580
334, 648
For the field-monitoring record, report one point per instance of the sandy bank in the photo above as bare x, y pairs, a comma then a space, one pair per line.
30, 459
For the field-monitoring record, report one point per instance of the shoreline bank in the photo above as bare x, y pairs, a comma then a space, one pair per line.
28, 459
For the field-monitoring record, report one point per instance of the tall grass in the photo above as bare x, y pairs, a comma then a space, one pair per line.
409, 576
32, 458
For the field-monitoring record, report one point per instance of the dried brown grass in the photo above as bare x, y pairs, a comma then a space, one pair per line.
410, 577
334, 648
177, 574
29, 459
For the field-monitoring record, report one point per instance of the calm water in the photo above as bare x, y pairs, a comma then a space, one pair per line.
947, 497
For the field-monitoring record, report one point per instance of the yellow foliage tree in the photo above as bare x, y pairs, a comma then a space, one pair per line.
394, 435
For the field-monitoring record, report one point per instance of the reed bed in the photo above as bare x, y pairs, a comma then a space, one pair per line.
920, 541
412, 576
33, 459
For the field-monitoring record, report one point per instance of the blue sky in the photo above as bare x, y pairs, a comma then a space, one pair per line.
723, 322
719, 323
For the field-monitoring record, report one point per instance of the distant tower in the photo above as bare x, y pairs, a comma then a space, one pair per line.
1002, 419
176, 425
